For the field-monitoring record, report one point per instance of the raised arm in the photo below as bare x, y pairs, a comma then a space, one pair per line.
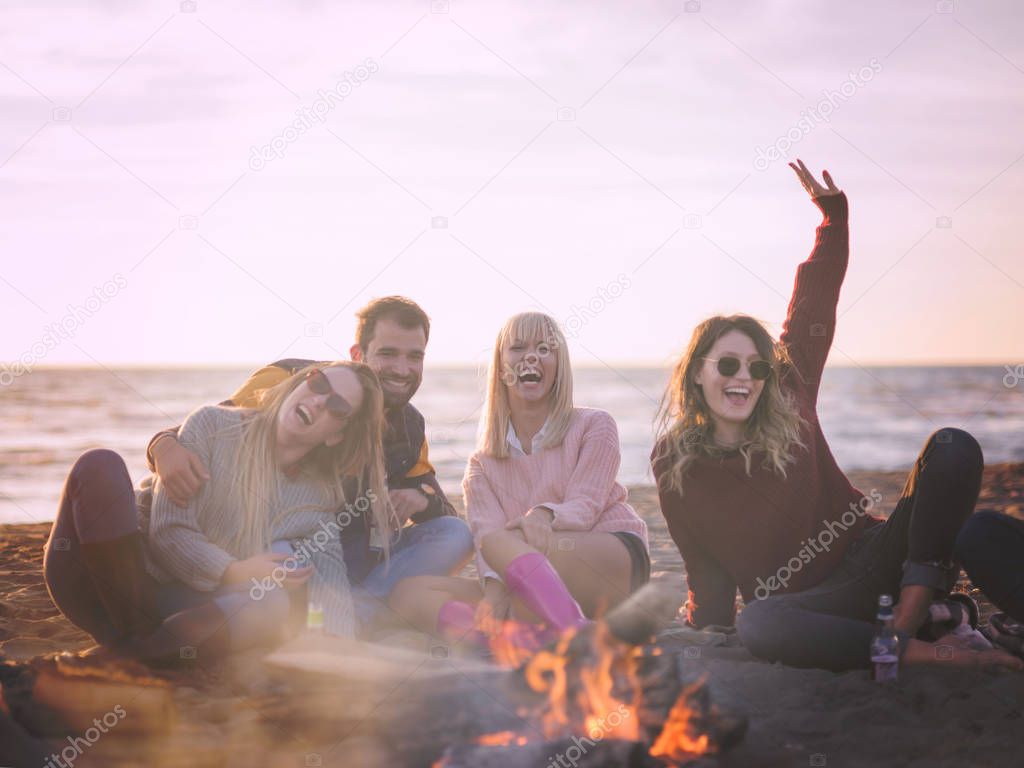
811, 320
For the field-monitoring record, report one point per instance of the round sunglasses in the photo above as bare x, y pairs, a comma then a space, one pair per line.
730, 366
319, 384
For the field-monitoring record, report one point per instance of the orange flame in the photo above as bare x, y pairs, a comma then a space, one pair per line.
677, 742
501, 739
583, 698
596, 708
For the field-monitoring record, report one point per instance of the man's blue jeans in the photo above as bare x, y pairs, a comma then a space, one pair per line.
436, 547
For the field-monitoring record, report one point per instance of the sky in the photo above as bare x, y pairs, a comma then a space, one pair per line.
200, 183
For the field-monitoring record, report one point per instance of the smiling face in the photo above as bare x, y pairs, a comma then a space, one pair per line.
529, 369
304, 419
731, 399
395, 354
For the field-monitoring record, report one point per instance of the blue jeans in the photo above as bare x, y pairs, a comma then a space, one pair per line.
436, 547
991, 549
830, 626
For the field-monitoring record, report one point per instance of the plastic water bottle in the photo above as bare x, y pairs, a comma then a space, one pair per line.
885, 645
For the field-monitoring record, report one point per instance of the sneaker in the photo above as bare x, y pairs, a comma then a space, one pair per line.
956, 614
1006, 633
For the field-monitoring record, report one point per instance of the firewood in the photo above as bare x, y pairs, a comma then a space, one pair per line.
583, 753
648, 610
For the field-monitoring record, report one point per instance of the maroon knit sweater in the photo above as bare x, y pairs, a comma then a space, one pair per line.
757, 531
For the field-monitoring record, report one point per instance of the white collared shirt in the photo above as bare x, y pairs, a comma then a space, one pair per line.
516, 447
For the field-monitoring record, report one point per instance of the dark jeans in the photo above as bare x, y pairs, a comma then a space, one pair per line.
98, 505
991, 548
830, 626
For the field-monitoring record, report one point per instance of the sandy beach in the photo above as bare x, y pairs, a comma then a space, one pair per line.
932, 717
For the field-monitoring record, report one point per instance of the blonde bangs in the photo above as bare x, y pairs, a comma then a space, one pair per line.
526, 326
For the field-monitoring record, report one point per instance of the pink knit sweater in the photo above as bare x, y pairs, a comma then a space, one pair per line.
576, 480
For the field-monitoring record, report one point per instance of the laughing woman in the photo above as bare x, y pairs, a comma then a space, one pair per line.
152, 579
556, 541
754, 499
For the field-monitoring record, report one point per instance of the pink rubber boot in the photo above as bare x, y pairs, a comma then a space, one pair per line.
456, 623
537, 583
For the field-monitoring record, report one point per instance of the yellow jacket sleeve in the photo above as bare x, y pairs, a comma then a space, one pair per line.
423, 465
247, 396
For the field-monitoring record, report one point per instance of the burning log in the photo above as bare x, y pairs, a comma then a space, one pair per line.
603, 684
650, 609
56, 695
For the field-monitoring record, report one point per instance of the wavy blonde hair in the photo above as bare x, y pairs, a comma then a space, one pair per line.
360, 456
526, 326
685, 426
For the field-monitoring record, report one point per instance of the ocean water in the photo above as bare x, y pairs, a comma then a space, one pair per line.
874, 418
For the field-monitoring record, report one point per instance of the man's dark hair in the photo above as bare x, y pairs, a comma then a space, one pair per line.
406, 312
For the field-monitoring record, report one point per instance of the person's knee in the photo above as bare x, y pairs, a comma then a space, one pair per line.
758, 625
957, 447
409, 593
99, 462
453, 530
495, 540
982, 531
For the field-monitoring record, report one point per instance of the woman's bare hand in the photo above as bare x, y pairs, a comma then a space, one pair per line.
494, 608
814, 189
536, 527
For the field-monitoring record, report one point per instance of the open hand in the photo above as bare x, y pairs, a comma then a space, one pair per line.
281, 570
814, 189
407, 502
179, 469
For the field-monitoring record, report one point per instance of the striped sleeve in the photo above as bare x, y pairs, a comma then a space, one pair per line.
329, 584
176, 539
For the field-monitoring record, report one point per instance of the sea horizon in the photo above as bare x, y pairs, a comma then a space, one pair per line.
876, 418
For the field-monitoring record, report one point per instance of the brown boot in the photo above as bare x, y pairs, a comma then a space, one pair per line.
196, 635
123, 585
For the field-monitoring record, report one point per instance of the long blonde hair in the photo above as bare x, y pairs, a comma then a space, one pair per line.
685, 427
359, 456
526, 326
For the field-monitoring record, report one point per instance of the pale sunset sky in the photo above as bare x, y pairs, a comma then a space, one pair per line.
606, 162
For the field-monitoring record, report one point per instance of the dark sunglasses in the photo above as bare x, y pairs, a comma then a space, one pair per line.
730, 366
319, 384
